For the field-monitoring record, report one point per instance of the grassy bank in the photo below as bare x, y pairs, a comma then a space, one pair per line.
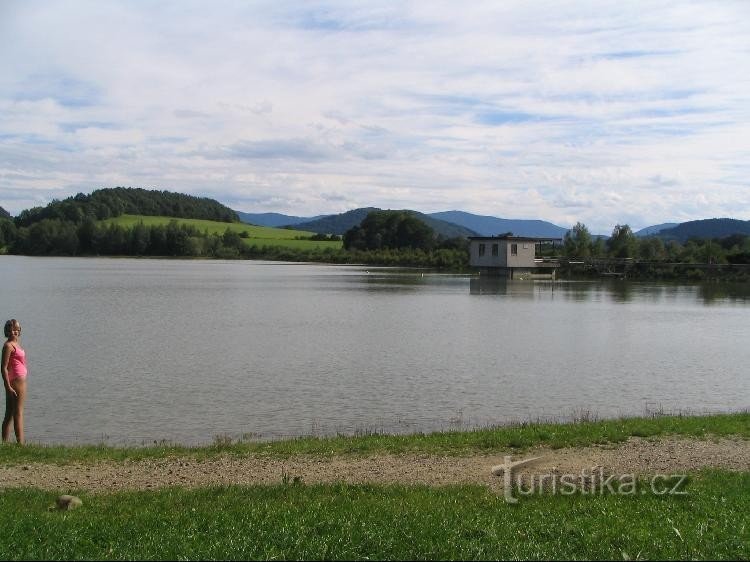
294, 521
511, 437
291, 519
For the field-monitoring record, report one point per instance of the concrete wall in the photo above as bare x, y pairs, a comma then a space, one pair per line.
525, 256
488, 260
504, 258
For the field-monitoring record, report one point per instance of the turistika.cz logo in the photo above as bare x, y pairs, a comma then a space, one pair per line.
589, 481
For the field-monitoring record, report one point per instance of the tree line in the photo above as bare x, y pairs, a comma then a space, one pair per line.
623, 243
55, 237
390, 237
73, 227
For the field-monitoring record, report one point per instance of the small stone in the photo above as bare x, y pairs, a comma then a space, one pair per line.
66, 502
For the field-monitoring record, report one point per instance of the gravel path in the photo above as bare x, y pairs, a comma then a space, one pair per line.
638, 456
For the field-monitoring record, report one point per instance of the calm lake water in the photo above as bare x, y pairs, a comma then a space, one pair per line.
132, 351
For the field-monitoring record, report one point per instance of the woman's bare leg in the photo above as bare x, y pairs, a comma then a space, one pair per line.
19, 385
10, 407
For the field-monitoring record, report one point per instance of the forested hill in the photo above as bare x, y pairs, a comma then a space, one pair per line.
113, 202
4, 214
705, 229
339, 224
336, 224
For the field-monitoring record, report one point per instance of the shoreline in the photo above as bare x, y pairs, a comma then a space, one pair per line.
638, 456
517, 437
688, 498
640, 271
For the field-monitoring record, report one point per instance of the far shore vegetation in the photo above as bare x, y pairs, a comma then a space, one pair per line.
137, 222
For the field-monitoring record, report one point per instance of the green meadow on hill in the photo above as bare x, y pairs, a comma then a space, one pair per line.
256, 235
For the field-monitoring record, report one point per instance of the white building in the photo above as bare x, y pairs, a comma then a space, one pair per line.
513, 257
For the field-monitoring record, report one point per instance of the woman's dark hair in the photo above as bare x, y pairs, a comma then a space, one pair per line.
9, 326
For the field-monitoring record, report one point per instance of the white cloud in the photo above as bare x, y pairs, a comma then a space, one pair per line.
598, 112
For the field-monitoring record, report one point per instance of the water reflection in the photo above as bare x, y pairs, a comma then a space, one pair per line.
378, 280
489, 285
579, 291
622, 291
615, 291
732, 292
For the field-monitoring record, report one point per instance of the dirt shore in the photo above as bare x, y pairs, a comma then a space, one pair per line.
636, 456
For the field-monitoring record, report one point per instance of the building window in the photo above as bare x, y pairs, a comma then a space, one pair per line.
481, 250
514, 249
495, 249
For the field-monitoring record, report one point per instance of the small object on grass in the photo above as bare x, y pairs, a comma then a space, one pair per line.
66, 502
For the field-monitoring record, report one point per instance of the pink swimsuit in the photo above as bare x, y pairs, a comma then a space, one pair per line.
16, 364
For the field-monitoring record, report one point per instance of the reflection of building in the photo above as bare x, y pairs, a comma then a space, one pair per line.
512, 257
494, 285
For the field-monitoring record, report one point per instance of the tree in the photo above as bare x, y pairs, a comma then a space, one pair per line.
232, 239
139, 239
49, 237
390, 230
87, 234
157, 240
651, 248
354, 239
8, 232
623, 243
176, 239
577, 243
113, 241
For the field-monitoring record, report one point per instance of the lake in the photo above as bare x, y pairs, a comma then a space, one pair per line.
132, 351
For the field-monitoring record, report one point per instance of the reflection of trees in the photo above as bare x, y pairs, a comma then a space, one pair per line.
709, 293
621, 291
579, 291
391, 282
616, 291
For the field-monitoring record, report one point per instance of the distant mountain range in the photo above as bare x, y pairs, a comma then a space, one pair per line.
491, 226
273, 219
706, 228
448, 224
651, 230
459, 223
339, 224
335, 224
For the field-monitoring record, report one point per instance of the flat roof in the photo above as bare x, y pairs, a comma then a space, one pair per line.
515, 238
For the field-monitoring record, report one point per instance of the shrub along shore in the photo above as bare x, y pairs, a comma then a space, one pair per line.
345, 521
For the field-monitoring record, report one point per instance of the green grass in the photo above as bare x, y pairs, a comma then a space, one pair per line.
257, 235
488, 440
294, 521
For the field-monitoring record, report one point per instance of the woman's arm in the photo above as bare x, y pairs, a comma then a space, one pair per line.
6, 358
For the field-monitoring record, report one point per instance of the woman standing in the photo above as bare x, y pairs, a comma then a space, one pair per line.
14, 377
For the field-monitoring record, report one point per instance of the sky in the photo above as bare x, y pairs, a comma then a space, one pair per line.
601, 112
